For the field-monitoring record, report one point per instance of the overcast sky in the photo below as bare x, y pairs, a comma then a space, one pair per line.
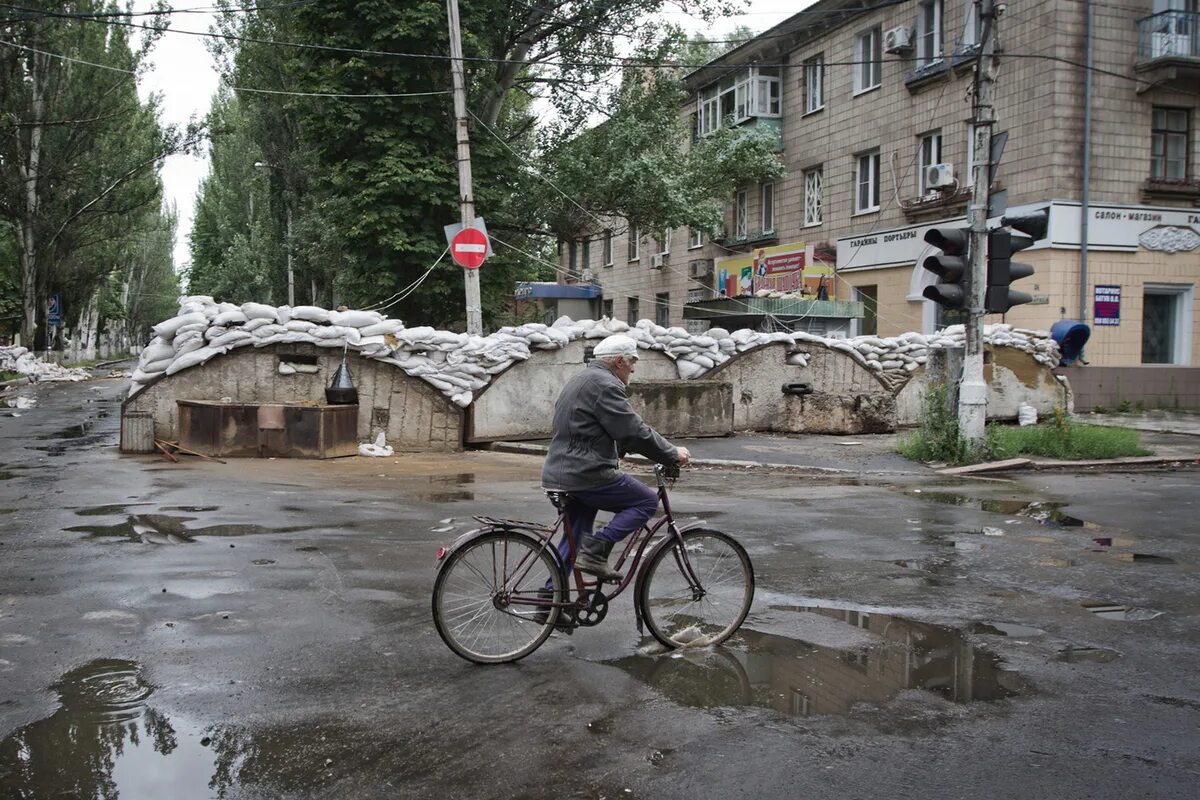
182, 73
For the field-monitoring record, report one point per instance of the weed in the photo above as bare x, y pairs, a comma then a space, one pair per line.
938, 437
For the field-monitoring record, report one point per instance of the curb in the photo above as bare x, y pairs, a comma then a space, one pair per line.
523, 448
14, 382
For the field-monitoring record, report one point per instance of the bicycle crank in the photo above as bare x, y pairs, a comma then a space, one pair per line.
593, 611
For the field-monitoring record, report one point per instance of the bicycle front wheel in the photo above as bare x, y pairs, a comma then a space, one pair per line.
490, 600
682, 612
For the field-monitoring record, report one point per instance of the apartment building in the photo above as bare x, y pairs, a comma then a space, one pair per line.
872, 104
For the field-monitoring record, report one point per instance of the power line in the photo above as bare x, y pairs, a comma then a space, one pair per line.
230, 86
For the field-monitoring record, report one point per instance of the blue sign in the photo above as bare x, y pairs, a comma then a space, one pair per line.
54, 311
1106, 305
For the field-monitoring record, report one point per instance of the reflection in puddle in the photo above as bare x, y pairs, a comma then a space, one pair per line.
443, 488
165, 529
105, 511
69, 432
1005, 629
798, 678
107, 740
1046, 513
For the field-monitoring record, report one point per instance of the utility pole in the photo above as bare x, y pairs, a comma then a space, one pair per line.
972, 394
466, 198
291, 273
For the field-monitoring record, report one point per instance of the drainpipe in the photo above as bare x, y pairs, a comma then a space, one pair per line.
1087, 175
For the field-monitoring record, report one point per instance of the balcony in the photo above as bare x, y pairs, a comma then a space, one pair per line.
748, 239
1169, 49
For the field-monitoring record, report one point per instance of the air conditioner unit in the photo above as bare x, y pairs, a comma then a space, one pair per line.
939, 176
657, 260
700, 267
587, 275
897, 40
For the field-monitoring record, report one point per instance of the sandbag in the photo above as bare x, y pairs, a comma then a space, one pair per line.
193, 358
311, 313
167, 328
354, 319
226, 318
260, 311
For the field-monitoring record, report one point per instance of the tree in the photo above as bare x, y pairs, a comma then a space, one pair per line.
78, 150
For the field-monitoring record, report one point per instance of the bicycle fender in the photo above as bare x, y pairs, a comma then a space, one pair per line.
461, 540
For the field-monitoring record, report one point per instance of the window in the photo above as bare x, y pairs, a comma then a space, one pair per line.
608, 258
572, 258
814, 185
664, 242
972, 29
739, 96
585, 259
866, 180
814, 83
633, 314
695, 238
869, 297
739, 215
768, 207
1169, 144
608, 308
930, 154
662, 309
635, 237
929, 32
868, 57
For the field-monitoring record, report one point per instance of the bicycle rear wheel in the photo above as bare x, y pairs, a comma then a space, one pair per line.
478, 597
681, 614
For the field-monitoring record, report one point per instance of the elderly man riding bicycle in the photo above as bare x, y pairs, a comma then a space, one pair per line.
594, 425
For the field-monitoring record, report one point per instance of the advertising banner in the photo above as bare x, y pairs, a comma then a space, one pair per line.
1107, 305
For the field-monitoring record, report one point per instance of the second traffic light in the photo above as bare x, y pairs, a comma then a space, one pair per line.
950, 266
1001, 269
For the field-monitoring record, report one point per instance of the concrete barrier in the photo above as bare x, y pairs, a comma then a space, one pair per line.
1013, 377
846, 396
518, 405
411, 414
684, 408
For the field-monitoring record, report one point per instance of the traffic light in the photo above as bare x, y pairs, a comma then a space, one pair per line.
950, 266
1001, 269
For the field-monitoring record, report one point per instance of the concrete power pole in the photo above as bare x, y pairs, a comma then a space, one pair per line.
466, 198
972, 396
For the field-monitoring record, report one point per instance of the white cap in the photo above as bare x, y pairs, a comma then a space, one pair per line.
616, 345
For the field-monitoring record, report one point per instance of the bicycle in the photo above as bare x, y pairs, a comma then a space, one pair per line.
502, 589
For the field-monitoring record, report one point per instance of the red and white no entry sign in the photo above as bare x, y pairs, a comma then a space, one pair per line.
469, 247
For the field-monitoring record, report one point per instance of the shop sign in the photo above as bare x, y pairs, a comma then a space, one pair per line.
1107, 305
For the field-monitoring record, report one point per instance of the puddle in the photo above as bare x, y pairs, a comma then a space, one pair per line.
1045, 513
193, 509
106, 511
442, 488
1101, 655
76, 443
69, 432
7, 476
1006, 629
165, 529
108, 739
1120, 612
795, 677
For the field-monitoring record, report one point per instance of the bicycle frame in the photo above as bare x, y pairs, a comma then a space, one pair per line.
634, 548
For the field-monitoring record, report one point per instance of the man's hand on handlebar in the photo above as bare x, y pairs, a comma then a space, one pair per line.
684, 456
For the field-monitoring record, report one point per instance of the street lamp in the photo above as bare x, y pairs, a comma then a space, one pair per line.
287, 204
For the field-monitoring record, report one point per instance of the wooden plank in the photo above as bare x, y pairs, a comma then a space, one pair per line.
987, 466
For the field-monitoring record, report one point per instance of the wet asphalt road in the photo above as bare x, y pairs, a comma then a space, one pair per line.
262, 629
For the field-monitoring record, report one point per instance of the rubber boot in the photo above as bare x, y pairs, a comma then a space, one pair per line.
593, 558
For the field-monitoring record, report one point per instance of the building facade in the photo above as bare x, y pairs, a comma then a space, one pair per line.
873, 111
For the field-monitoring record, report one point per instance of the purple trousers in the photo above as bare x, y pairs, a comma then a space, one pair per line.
632, 501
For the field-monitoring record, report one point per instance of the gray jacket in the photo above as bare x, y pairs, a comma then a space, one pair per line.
594, 425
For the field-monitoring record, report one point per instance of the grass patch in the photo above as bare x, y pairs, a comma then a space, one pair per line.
938, 439
6, 375
1066, 440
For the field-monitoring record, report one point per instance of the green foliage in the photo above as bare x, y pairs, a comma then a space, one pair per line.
1063, 438
371, 182
78, 155
937, 438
